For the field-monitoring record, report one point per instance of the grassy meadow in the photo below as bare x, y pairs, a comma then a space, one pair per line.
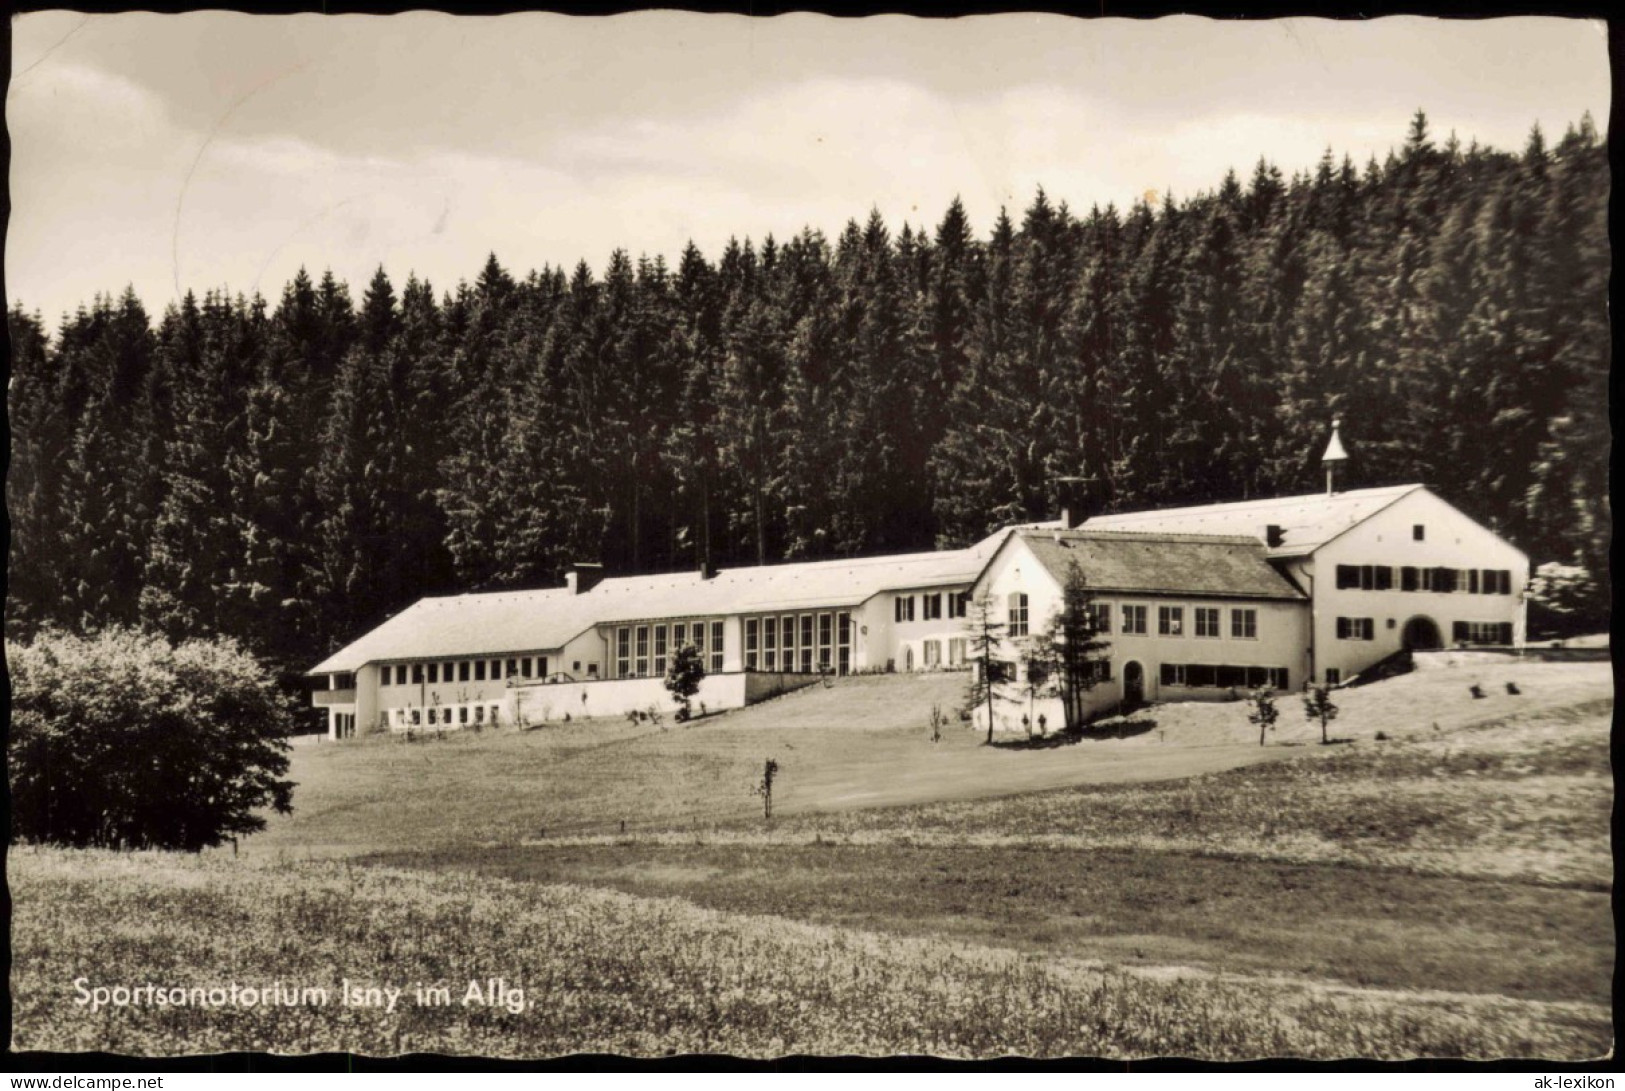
1443, 890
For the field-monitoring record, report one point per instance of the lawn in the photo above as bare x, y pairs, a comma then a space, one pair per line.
1443, 889
603, 971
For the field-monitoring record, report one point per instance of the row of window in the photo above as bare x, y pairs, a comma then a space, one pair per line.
1209, 620
1202, 675
931, 652
1380, 577
444, 716
643, 651
933, 606
1482, 632
800, 642
466, 670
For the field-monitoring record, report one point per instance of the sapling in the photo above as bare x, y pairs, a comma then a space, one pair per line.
770, 772
1264, 712
1317, 705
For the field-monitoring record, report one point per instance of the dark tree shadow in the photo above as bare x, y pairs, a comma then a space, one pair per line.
1097, 732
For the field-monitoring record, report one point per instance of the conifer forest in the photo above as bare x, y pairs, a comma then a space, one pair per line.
292, 471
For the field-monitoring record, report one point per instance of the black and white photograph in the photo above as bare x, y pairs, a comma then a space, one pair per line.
668, 534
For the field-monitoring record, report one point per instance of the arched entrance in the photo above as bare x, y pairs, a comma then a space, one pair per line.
1421, 635
1133, 686
908, 657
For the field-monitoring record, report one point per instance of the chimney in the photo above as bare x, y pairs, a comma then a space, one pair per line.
1334, 457
583, 577
1066, 519
1274, 536
708, 570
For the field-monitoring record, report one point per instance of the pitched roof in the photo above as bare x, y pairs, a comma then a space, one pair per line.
1306, 522
516, 621
1231, 566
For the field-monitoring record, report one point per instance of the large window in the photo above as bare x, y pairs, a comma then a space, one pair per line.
753, 637
640, 657
1244, 624
1213, 675
807, 650
1482, 632
787, 642
843, 647
1171, 621
770, 642
1018, 613
933, 653
956, 651
1355, 628
479, 670
417, 674
1365, 577
660, 651
1134, 620
933, 607
716, 647
434, 674
903, 608
1103, 617
623, 652
959, 604
463, 670
1207, 621
826, 641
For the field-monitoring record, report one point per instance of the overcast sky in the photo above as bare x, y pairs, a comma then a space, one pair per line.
213, 149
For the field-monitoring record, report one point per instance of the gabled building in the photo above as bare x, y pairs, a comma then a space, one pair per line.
1197, 601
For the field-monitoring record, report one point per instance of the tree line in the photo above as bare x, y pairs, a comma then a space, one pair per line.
292, 474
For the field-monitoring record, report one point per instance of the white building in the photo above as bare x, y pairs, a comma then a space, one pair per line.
1201, 600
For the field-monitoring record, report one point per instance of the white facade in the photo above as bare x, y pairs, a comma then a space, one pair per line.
1411, 543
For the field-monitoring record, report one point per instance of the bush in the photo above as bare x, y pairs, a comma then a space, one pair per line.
121, 740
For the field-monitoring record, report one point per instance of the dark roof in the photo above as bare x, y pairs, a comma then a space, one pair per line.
1227, 566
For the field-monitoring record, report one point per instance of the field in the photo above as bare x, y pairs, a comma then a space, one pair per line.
1442, 891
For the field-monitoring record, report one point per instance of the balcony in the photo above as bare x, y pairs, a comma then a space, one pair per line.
327, 698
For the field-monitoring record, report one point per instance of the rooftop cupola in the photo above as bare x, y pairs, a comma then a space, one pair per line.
1334, 457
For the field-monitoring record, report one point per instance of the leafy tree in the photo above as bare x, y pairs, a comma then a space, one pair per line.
683, 677
124, 740
1264, 712
1317, 705
984, 637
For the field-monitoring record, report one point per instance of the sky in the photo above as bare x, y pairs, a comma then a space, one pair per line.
224, 150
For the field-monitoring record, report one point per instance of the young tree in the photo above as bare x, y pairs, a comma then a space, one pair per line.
1074, 637
1317, 705
1040, 660
683, 677
1264, 712
984, 635
123, 740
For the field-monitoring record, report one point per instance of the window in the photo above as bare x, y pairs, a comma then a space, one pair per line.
1171, 620
843, 648
1223, 676
623, 652
1418, 532
513, 668
496, 670
496, 713
933, 653
1355, 628
1409, 579
479, 714
462, 671
462, 714
1365, 577
1207, 621
433, 716
1472, 581
661, 633
1482, 632
541, 666
640, 657
903, 608
770, 641
524, 667
1496, 581
806, 643
959, 604
1244, 624
1018, 613
956, 651
417, 674
1334, 676
826, 640
753, 630
716, 647
696, 636
417, 717
479, 670
1134, 620
1103, 617
434, 674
